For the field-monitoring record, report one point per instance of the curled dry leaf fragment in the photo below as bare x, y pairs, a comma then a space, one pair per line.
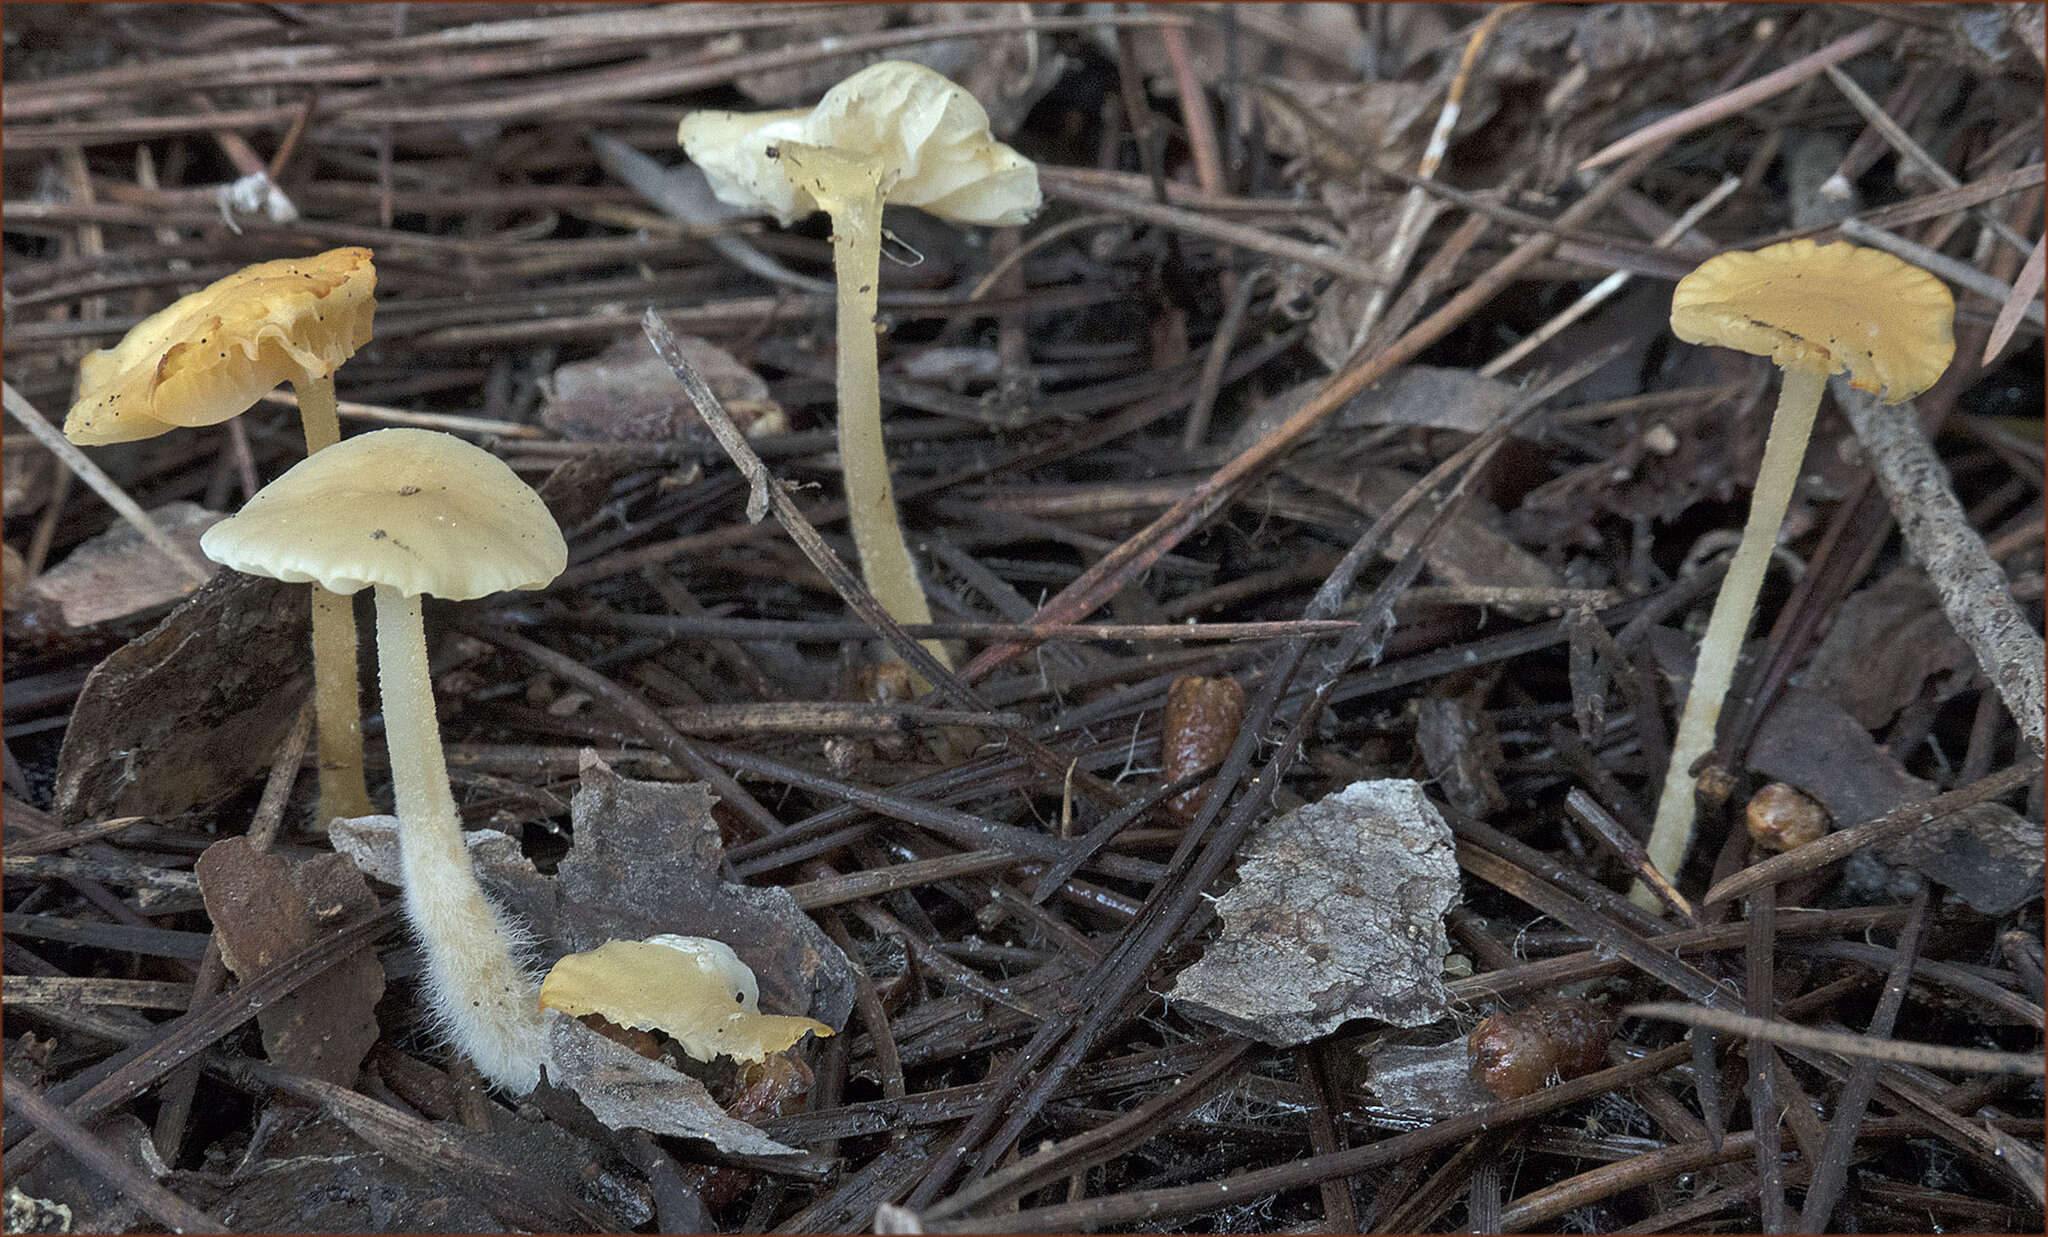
694, 988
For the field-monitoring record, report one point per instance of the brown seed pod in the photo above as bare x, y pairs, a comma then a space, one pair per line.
1202, 717
1555, 1039
1782, 818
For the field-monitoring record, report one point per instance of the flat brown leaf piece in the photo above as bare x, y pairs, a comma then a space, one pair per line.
1901, 615
315, 1176
1339, 914
119, 573
628, 394
190, 710
1469, 552
266, 908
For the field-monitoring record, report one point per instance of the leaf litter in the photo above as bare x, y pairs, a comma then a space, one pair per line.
1096, 419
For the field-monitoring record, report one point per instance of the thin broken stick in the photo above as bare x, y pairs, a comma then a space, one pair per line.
1841, 1043
2021, 302
1744, 97
85, 470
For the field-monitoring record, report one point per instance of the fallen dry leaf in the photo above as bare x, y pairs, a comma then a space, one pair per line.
628, 394
266, 908
1901, 615
1990, 855
117, 573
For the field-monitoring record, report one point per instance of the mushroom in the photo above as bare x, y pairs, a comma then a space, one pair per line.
694, 988
409, 512
1815, 310
207, 357
897, 133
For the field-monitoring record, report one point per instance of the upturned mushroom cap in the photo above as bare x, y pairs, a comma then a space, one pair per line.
206, 357
1832, 308
928, 137
694, 988
416, 510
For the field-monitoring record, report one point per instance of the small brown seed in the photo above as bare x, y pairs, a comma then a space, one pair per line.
1553, 1039
1202, 718
888, 682
1782, 818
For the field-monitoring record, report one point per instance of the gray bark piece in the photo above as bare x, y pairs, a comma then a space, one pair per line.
624, 1089
1339, 914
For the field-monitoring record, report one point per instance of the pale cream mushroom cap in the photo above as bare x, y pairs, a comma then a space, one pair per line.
416, 510
929, 138
694, 988
1834, 308
207, 357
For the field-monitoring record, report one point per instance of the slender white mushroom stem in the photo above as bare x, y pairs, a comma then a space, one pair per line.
1784, 450
488, 1002
337, 704
851, 192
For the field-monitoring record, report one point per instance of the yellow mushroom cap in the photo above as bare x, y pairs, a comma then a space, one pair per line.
928, 138
694, 988
206, 357
415, 510
1833, 308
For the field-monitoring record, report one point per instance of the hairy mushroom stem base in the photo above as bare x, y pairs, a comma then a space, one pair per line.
851, 192
488, 1002
337, 704
1784, 450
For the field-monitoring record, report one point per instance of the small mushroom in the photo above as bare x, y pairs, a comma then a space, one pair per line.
692, 987
897, 133
1815, 310
408, 512
207, 357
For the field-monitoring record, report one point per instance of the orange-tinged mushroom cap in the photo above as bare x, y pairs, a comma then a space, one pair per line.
692, 987
1833, 308
208, 356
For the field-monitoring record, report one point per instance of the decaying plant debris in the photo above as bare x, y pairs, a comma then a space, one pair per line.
1296, 388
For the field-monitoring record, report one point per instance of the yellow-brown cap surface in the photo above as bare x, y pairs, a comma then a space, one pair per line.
208, 356
414, 510
1834, 308
692, 987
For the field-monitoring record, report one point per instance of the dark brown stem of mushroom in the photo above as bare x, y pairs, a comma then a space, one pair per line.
337, 703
